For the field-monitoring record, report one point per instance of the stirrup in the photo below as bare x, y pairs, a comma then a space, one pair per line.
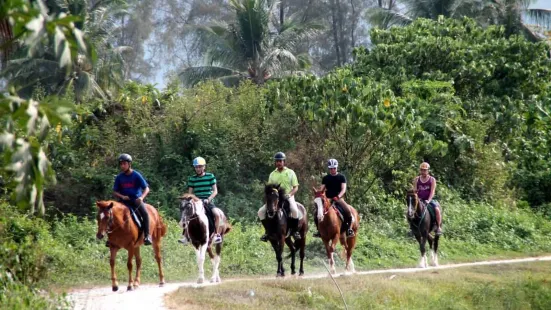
438, 231
217, 239
297, 235
264, 238
350, 233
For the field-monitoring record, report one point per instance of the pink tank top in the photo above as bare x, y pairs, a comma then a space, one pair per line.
423, 189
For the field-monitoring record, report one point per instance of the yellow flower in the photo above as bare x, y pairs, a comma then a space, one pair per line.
58, 128
387, 102
345, 89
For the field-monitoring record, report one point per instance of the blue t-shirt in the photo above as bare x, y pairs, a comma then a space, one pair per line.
130, 185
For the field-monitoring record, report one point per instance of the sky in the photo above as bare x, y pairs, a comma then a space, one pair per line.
159, 77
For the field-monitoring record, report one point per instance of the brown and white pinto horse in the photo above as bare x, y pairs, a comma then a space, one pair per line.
114, 219
422, 224
278, 232
329, 226
193, 213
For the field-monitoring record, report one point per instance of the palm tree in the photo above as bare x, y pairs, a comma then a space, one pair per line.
98, 24
508, 13
254, 46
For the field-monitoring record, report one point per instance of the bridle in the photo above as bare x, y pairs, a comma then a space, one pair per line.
271, 214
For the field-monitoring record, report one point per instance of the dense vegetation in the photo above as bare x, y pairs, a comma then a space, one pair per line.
471, 100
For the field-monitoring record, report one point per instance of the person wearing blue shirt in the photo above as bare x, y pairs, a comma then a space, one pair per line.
131, 188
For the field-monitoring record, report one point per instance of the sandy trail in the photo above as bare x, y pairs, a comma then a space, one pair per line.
152, 296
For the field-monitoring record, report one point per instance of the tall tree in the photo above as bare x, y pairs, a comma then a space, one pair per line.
250, 47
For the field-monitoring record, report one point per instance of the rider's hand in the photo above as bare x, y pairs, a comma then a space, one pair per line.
125, 198
139, 200
287, 196
205, 202
336, 198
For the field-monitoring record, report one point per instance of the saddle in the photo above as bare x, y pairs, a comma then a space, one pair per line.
340, 213
430, 208
137, 219
210, 217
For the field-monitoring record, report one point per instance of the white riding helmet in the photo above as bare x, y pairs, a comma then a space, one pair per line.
332, 163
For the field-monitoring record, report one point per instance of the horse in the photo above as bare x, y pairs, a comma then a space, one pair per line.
422, 224
277, 230
329, 226
193, 213
114, 219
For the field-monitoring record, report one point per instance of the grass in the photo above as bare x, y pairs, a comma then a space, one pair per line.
513, 286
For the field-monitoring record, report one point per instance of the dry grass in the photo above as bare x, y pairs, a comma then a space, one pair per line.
514, 286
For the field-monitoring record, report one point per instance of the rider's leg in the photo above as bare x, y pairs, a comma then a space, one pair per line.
262, 217
347, 215
217, 226
293, 220
141, 209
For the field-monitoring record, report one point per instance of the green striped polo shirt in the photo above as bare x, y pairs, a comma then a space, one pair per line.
202, 185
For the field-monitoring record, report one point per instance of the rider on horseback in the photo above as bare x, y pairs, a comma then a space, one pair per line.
334, 185
203, 185
287, 179
131, 188
425, 186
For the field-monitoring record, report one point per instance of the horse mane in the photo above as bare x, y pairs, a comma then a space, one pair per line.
269, 188
189, 196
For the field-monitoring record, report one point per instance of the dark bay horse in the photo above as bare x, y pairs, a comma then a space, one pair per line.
193, 213
329, 226
114, 219
422, 224
278, 233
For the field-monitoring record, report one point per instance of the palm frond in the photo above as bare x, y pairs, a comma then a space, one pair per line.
384, 18
193, 75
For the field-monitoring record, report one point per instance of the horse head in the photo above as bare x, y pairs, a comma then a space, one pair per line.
412, 202
190, 205
274, 196
104, 218
321, 203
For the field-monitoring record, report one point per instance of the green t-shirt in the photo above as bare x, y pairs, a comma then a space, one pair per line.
286, 178
202, 185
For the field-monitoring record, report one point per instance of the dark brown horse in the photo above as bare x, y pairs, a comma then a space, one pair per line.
193, 213
329, 226
422, 224
114, 219
277, 230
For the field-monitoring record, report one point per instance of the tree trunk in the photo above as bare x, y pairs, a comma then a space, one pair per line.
335, 32
281, 15
342, 42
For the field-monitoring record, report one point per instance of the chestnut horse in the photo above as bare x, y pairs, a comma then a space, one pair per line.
114, 219
422, 224
329, 226
193, 213
278, 233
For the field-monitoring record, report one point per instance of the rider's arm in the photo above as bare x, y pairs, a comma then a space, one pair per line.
343, 190
432, 189
145, 193
118, 195
214, 192
294, 190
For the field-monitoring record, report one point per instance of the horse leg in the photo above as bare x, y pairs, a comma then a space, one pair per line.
435, 250
301, 245
431, 247
293, 251
278, 250
201, 251
159, 259
422, 242
129, 266
329, 251
215, 261
138, 267
114, 284
350, 244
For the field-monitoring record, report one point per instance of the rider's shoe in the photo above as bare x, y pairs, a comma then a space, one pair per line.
183, 240
317, 234
438, 231
350, 233
297, 235
217, 239
264, 238
147, 240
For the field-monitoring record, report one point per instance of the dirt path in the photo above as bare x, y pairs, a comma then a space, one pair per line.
152, 296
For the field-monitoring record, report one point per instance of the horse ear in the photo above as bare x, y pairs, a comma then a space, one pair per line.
314, 189
110, 206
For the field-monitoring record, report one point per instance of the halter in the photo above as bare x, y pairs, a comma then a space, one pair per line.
109, 214
194, 209
423, 214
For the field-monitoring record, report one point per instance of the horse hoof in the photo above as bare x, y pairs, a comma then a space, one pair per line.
200, 280
129, 288
115, 288
301, 274
136, 286
161, 284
